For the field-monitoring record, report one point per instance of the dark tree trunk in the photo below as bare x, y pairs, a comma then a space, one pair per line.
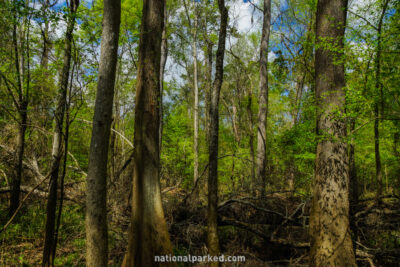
212, 233
331, 243
21, 106
196, 101
263, 100
148, 234
352, 166
251, 140
96, 197
379, 103
209, 63
49, 244
16, 182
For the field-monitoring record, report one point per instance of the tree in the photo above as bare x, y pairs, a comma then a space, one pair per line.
212, 233
49, 245
379, 103
96, 198
148, 234
331, 243
20, 44
263, 99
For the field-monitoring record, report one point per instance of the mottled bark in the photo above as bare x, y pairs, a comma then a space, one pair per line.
212, 233
263, 100
148, 234
331, 243
96, 196
56, 154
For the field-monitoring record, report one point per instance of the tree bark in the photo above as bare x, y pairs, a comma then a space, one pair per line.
49, 244
209, 63
331, 243
148, 234
378, 110
96, 197
263, 100
352, 166
212, 233
251, 139
21, 106
196, 101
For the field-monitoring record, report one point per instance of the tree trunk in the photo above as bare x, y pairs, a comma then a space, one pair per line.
209, 63
96, 198
212, 233
196, 101
352, 165
57, 140
251, 140
263, 100
21, 106
16, 182
379, 102
331, 243
148, 234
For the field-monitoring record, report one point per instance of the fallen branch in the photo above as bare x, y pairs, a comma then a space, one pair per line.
277, 241
32, 190
231, 201
22, 202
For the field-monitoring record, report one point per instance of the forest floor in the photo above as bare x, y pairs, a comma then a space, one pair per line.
268, 231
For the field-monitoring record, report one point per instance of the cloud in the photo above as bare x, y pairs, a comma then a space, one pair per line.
271, 56
241, 15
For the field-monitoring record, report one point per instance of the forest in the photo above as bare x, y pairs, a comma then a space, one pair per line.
199, 133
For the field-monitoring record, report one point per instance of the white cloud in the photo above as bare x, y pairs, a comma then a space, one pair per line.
271, 56
241, 16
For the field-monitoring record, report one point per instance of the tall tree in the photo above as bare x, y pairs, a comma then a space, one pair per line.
193, 30
263, 99
20, 43
331, 243
96, 196
379, 106
212, 233
148, 234
56, 153
196, 99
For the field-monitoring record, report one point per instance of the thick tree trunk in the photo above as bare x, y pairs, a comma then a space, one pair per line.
263, 100
331, 243
148, 235
96, 197
57, 141
212, 233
